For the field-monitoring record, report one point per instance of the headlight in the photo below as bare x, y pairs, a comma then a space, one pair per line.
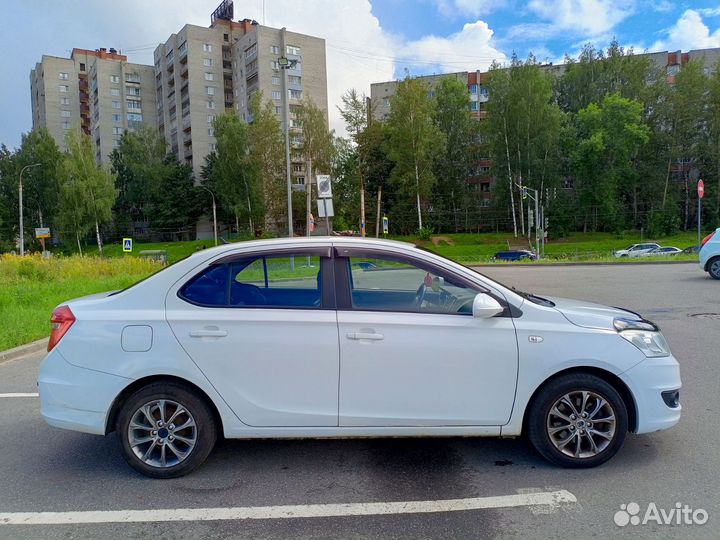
644, 335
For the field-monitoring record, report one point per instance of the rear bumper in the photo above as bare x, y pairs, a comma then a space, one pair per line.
76, 398
647, 382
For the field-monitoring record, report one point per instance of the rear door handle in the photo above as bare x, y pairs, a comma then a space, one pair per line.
365, 335
208, 333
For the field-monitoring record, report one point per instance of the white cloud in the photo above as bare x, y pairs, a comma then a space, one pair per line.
582, 17
663, 6
689, 32
709, 12
470, 49
472, 8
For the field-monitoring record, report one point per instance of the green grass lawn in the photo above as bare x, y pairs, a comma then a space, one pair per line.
31, 287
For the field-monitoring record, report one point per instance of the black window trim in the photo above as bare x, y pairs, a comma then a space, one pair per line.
341, 265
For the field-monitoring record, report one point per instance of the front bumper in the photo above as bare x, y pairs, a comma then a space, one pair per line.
76, 398
647, 382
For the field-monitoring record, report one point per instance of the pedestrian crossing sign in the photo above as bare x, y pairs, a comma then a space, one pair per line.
127, 245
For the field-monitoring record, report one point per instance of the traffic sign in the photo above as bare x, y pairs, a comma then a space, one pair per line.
42, 232
701, 188
386, 224
324, 186
127, 245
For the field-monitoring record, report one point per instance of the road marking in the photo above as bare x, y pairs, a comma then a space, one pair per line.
19, 395
547, 498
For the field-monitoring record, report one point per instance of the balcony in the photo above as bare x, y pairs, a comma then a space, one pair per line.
227, 65
182, 56
132, 78
170, 66
187, 138
188, 152
187, 124
185, 111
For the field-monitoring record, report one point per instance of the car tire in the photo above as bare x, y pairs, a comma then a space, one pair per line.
589, 409
713, 267
166, 430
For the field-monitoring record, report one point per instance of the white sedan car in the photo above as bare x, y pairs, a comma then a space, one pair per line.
331, 337
636, 250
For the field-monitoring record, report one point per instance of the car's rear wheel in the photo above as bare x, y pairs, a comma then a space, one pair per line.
714, 268
166, 430
577, 420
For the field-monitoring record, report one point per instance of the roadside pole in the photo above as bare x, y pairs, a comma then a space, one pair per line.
701, 194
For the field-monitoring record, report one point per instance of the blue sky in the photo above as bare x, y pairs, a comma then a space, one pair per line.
367, 41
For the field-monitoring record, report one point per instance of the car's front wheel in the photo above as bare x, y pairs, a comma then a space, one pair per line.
714, 268
577, 420
166, 430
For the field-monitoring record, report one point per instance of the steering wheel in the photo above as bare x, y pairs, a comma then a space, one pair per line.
420, 295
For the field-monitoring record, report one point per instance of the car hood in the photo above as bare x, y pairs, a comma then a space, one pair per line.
589, 315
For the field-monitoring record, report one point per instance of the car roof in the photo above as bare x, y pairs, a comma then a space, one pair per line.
304, 240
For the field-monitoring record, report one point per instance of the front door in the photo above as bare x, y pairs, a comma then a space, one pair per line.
263, 330
412, 354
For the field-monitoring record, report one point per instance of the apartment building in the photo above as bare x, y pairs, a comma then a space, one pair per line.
96, 90
481, 180
202, 72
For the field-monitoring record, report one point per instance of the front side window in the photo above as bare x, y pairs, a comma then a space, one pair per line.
398, 284
292, 282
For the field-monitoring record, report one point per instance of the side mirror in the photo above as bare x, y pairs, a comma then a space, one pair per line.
485, 306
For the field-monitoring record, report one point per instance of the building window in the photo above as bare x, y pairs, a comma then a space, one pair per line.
65, 114
484, 91
485, 187
274, 65
276, 81
292, 49
82, 66
251, 51
294, 79
116, 118
474, 106
117, 130
226, 38
210, 118
276, 94
134, 117
66, 125
207, 62
295, 94
274, 49
64, 101
115, 104
132, 91
133, 104
210, 90
277, 110
63, 76
115, 79
210, 104
209, 77
211, 132
213, 147
63, 87
207, 47
114, 91
473, 88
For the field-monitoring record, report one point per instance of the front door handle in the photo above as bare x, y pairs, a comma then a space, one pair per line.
207, 332
372, 336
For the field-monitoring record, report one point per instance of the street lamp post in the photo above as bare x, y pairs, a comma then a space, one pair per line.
20, 197
214, 212
284, 64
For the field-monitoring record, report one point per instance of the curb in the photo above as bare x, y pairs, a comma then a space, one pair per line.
23, 350
578, 263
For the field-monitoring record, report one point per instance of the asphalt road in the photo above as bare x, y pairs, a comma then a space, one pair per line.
43, 469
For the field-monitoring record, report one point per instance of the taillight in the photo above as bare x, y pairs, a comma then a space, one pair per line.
707, 239
60, 321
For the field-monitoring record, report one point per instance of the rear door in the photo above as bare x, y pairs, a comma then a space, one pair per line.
263, 330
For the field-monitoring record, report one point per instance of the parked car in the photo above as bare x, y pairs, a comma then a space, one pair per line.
514, 255
710, 254
691, 250
662, 251
636, 250
240, 341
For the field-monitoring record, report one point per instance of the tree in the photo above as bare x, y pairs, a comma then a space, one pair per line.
140, 167
608, 139
316, 146
455, 165
235, 177
267, 156
356, 113
87, 191
414, 141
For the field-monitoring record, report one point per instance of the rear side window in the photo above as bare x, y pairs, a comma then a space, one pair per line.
266, 281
